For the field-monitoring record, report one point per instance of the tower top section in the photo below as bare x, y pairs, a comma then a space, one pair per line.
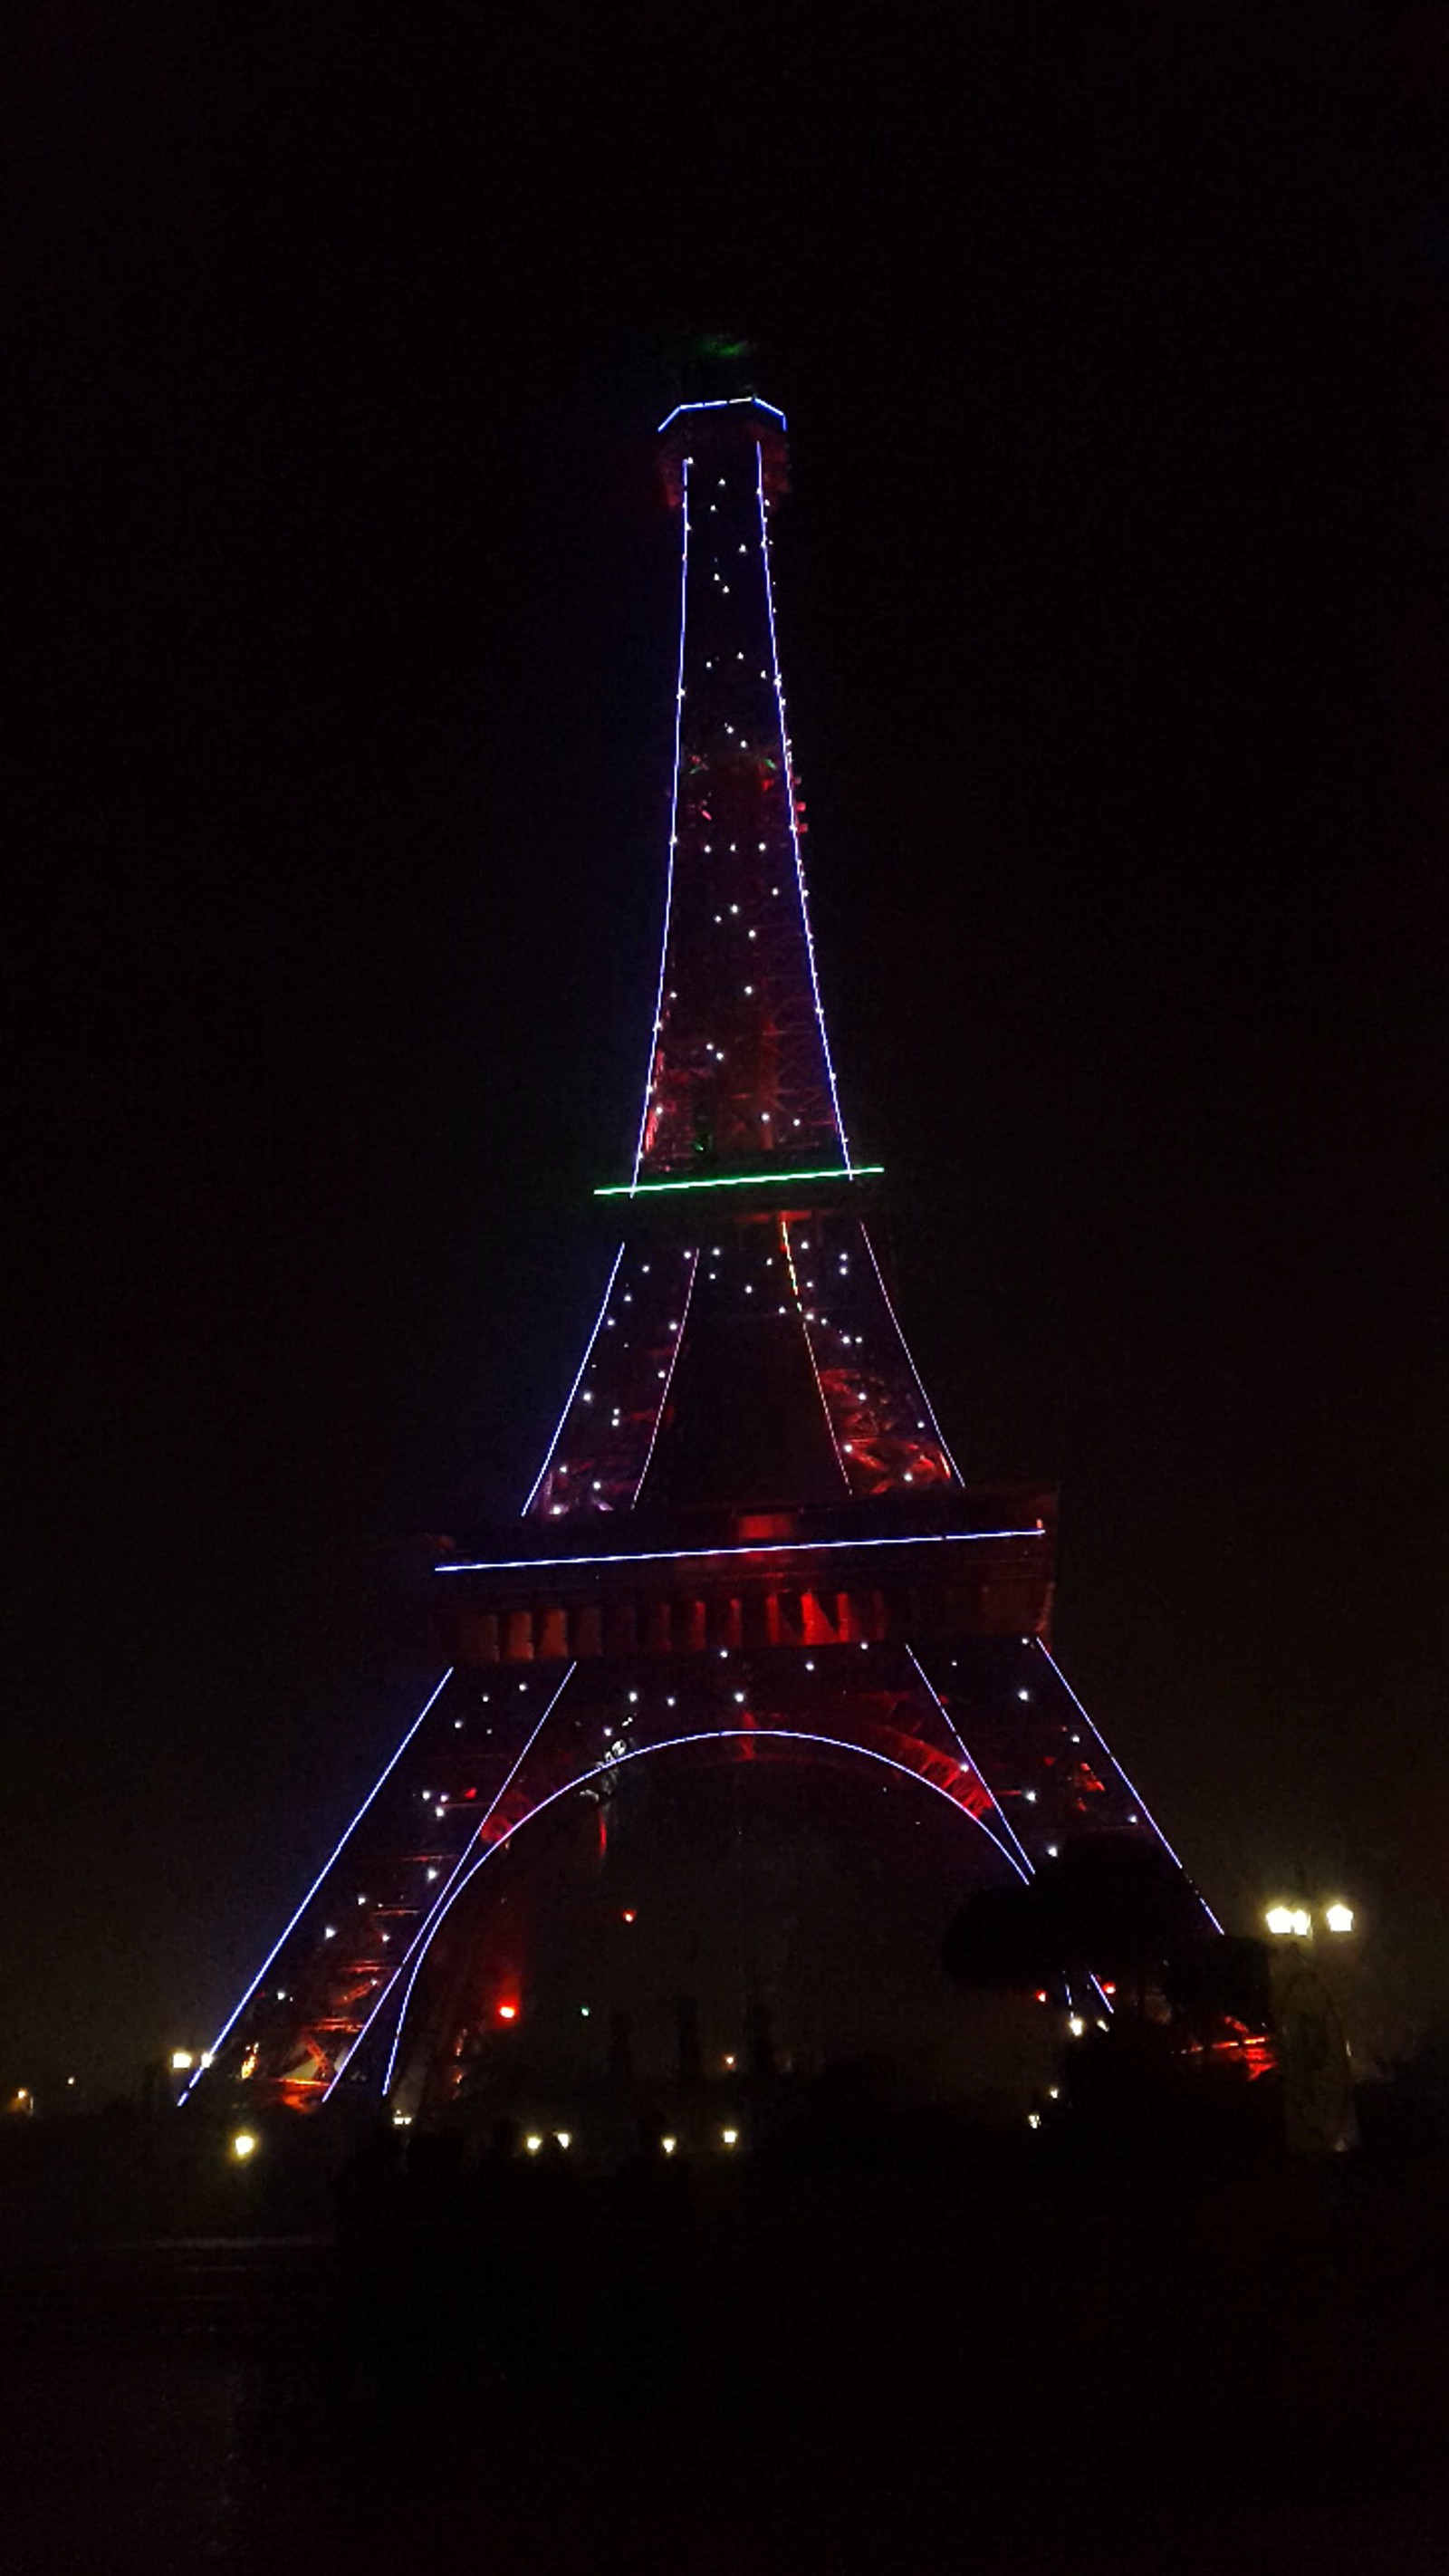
740, 1083
735, 424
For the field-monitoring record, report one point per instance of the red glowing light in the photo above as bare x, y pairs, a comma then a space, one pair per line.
1255, 2051
628, 1914
508, 2012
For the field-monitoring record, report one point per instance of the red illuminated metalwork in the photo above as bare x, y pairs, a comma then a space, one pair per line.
1237, 2048
740, 1074
764, 1549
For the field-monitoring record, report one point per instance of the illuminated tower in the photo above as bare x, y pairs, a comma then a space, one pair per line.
748, 1533
746, 1352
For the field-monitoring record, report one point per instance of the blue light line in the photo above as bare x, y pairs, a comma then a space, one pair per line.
974, 1765
229, 2026
669, 1380
675, 1744
673, 823
910, 1363
809, 1341
726, 402
344, 2062
573, 1390
1122, 1776
789, 786
771, 1547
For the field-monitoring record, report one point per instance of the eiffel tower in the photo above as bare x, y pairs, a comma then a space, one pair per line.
748, 1537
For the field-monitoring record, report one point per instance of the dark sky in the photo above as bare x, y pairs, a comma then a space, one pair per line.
338, 628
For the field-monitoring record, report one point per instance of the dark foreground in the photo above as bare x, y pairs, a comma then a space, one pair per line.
730, 2370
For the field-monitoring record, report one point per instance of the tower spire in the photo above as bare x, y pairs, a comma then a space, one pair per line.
740, 1074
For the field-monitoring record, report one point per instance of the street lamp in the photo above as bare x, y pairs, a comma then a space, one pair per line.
1289, 1922
1295, 1923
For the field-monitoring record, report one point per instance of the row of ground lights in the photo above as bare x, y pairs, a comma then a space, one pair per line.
243, 2143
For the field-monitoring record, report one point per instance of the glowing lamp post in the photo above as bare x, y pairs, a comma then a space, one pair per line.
1295, 1923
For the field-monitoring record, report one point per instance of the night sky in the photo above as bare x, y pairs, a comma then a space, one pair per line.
339, 637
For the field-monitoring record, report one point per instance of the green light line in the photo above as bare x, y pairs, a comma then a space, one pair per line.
740, 1181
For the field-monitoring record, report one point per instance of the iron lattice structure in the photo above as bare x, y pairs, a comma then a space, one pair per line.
748, 1535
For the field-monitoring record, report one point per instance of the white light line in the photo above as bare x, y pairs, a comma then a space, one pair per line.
771, 1547
810, 1347
974, 1765
910, 1363
229, 2026
573, 1390
1122, 1776
344, 2062
649, 1078
669, 1380
789, 785
726, 402
674, 1744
